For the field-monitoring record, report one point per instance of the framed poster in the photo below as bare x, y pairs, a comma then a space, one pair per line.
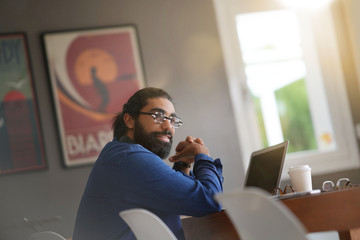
21, 144
93, 72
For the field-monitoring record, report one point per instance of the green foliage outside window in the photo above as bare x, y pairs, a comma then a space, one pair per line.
260, 119
295, 116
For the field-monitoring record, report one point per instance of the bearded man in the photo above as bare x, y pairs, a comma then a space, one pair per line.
130, 172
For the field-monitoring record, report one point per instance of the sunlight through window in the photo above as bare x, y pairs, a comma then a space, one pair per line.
277, 78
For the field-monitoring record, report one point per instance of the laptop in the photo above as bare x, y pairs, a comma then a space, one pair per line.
265, 167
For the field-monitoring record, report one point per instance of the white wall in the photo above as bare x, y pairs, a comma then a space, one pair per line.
352, 18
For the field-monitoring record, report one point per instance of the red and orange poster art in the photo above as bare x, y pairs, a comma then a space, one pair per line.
21, 146
93, 73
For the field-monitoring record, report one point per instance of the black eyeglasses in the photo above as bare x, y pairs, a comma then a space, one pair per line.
342, 183
159, 117
277, 191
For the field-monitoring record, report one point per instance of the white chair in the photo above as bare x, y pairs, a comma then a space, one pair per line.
46, 235
146, 225
256, 216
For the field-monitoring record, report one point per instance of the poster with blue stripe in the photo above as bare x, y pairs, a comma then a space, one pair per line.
21, 145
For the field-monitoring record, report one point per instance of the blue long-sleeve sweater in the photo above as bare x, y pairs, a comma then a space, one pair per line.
128, 176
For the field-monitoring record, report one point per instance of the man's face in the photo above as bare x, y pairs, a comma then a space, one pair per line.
156, 137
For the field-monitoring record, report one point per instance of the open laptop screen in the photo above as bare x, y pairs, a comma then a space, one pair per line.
265, 167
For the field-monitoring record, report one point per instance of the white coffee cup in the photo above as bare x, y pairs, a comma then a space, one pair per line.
300, 177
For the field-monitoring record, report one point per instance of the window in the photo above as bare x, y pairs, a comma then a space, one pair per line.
286, 82
276, 76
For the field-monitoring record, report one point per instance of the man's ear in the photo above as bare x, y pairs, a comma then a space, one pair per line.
129, 121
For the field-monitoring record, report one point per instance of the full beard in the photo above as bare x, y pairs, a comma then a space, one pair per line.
151, 142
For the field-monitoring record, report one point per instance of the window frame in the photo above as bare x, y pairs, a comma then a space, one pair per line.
325, 44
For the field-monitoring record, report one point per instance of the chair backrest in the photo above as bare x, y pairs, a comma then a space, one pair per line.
256, 216
146, 225
46, 235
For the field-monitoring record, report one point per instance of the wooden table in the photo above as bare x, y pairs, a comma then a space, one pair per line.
330, 211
